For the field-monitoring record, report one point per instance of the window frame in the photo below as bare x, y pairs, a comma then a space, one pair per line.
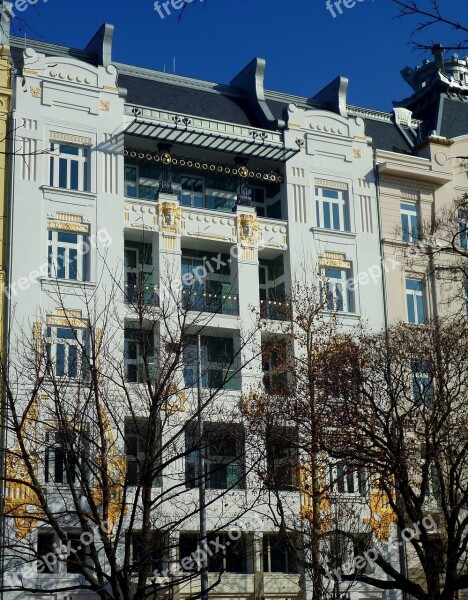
54, 248
82, 161
413, 295
347, 479
347, 304
192, 193
142, 273
134, 458
136, 184
76, 365
216, 466
338, 209
282, 547
138, 361
410, 230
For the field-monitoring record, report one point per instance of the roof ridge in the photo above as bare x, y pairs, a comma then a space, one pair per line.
174, 79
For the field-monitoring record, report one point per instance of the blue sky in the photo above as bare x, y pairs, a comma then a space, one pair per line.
304, 46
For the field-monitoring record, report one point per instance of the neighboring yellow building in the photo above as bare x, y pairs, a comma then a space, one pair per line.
5, 97
414, 192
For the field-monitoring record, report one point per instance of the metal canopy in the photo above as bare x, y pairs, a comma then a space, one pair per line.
210, 140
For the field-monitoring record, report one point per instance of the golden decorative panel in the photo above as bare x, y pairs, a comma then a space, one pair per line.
113, 472
104, 105
247, 229
336, 185
170, 217
334, 259
66, 137
66, 226
382, 514
21, 502
307, 498
36, 92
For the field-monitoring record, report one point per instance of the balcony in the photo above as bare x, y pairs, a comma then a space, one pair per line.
276, 310
217, 303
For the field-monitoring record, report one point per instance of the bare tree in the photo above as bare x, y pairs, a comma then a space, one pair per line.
404, 416
292, 415
103, 465
432, 14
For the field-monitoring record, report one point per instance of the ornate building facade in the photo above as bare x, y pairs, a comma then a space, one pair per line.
160, 177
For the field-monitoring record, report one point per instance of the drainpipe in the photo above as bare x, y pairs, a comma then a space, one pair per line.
5, 349
402, 548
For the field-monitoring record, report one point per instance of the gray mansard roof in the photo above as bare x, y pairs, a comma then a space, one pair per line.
145, 87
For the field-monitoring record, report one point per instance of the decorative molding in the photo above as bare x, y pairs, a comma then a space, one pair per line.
335, 260
170, 217
211, 236
67, 318
36, 92
357, 153
104, 105
328, 183
247, 229
64, 226
407, 183
382, 515
56, 136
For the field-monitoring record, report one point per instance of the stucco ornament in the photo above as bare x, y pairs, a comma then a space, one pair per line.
381, 514
21, 502
247, 227
170, 217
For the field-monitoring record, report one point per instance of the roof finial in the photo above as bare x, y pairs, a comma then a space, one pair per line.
438, 54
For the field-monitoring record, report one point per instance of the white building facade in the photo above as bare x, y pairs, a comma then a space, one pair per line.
156, 176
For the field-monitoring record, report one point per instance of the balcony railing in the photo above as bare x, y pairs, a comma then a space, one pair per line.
218, 303
276, 310
146, 295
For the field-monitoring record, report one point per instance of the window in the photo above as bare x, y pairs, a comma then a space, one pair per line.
61, 457
282, 460
139, 288
276, 378
409, 222
209, 287
154, 549
217, 357
422, 383
331, 209
272, 290
45, 546
225, 555
258, 199
223, 449
68, 255
77, 554
131, 181
340, 550
192, 193
278, 555
415, 301
137, 436
463, 229
335, 290
139, 355
69, 167
348, 479
68, 352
